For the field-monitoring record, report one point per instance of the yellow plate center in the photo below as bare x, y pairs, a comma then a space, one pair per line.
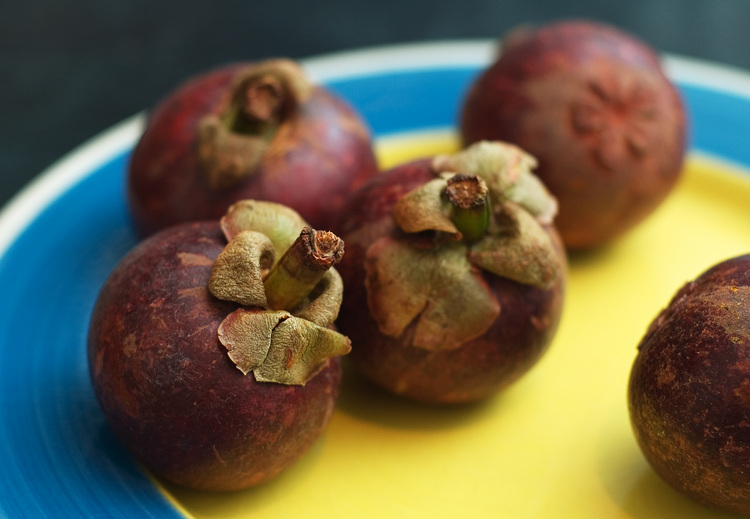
555, 445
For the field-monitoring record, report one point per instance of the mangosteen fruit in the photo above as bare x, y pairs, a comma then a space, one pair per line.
689, 388
258, 130
211, 349
454, 274
593, 104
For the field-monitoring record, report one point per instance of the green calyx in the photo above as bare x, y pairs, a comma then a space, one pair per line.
231, 144
470, 206
486, 211
281, 272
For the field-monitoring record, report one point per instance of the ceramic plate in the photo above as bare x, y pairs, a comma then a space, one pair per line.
556, 444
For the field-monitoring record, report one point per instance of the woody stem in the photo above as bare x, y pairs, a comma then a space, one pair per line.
301, 267
471, 206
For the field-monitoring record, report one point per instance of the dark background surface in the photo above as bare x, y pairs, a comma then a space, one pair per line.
73, 68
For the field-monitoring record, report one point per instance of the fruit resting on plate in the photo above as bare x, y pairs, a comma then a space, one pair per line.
454, 274
210, 348
689, 393
248, 131
594, 106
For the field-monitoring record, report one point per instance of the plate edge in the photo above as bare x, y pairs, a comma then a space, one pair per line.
72, 167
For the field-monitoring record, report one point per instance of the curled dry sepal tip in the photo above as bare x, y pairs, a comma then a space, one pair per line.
282, 330
486, 210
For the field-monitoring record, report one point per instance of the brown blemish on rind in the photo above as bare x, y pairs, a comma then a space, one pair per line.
129, 345
198, 293
743, 393
194, 260
730, 310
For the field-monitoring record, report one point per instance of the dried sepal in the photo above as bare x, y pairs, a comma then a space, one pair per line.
227, 158
432, 292
280, 223
237, 274
531, 193
297, 87
520, 250
246, 334
277, 346
323, 303
426, 209
436, 290
231, 144
507, 170
299, 348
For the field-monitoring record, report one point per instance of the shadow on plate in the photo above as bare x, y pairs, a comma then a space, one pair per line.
637, 489
365, 400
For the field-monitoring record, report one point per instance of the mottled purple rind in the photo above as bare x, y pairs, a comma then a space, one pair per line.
594, 106
689, 390
513, 344
167, 386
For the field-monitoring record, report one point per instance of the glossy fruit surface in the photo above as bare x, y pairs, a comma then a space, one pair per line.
515, 333
167, 386
594, 106
248, 131
689, 392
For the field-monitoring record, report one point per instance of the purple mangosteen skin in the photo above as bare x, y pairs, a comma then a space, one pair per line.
311, 165
689, 390
167, 386
594, 106
517, 339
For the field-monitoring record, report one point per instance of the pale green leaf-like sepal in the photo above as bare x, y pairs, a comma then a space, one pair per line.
426, 209
299, 348
246, 334
523, 252
280, 223
436, 290
277, 346
508, 172
237, 274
